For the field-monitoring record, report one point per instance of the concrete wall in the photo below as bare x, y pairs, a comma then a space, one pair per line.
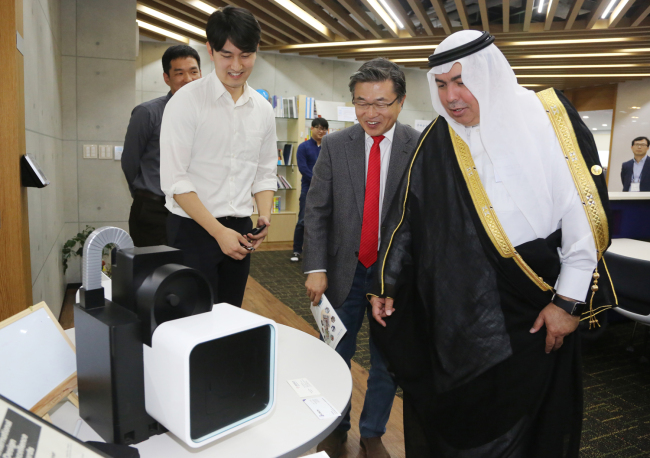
629, 123
43, 135
98, 47
287, 75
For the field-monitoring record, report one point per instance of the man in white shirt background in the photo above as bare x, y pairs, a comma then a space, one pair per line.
218, 146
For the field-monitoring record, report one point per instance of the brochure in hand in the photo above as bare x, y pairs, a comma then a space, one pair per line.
329, 324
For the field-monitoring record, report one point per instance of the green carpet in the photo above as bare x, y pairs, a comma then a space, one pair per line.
616, 382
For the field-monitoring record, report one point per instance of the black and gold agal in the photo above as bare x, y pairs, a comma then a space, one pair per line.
465, 50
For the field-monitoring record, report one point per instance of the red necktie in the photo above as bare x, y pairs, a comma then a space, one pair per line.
370, 226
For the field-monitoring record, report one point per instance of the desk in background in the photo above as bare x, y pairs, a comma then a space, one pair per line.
630, 215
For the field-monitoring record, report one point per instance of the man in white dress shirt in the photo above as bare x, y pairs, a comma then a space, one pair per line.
217, 147
488, 262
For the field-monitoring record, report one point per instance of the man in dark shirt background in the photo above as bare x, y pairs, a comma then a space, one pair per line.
635, 173
141, 156
307, 154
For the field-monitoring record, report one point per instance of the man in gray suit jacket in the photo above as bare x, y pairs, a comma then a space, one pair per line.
354, 181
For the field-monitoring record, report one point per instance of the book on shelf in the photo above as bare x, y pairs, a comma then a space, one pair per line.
287, 153
283, 183
310, 108
284, 107
276, 204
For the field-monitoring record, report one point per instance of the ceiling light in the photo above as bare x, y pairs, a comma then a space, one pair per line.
593, 75
161, 31
564, 42
636, 50
543, 67
170, 20
593, 128
397, 48
585, 117
618, 9
636, 108
608, 9
384, 15
392, 13
539, 8
635, 117
304, 16
397, 61
604, 125
633, 121
201, 6
337, 43
597, 54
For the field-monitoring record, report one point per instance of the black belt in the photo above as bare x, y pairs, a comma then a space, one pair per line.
147, 195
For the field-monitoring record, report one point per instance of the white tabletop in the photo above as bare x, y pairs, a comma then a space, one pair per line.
291, 430
629, 196
630, 248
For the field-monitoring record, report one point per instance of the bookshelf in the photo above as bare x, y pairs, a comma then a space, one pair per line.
294, 131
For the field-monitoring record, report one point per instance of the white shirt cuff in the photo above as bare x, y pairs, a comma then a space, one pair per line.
182, 187
265, 185
573, 283
314, 271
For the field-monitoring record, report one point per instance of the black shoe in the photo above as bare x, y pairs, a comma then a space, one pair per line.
333, 444
295, 257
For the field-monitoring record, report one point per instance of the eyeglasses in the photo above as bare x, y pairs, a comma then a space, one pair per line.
320, 129
379, 106
641, 144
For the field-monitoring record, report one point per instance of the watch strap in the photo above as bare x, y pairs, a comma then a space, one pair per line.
573, 308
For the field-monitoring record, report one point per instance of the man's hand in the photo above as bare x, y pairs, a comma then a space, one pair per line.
259, 238
559, 324
381, 308
316, 285
231, 243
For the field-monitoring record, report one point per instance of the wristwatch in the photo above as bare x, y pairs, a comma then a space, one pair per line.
573, 308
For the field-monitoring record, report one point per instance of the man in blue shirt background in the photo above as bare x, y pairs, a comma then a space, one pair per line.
307, 154
635, 173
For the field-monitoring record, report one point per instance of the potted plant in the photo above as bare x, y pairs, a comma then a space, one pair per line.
70, 249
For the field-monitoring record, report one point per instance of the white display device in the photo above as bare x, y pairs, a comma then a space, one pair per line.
186, 386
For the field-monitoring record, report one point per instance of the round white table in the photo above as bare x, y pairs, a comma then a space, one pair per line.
292, 428
631, 248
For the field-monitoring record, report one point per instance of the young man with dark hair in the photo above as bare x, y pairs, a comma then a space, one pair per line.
355, 179
141, 155
218, 146
307, 154
635, 173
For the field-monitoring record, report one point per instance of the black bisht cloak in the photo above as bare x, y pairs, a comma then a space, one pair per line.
476, 382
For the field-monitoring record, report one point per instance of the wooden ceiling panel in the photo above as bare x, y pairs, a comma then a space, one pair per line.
360, 15
165, 25
600, 50
422, 15
343, 16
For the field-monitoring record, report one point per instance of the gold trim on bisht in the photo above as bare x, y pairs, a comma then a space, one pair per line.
585, 185
579, 171
486, 212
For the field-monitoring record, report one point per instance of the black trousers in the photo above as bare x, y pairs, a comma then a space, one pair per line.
201, 251
148, 220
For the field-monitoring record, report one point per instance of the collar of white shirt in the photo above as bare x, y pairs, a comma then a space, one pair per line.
220, 90
388, 136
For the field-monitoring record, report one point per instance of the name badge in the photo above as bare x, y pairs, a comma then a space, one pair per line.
635, 187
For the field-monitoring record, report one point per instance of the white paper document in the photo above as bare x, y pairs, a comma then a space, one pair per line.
346, 114
329, 324
421, 124
303, 387
321, 408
